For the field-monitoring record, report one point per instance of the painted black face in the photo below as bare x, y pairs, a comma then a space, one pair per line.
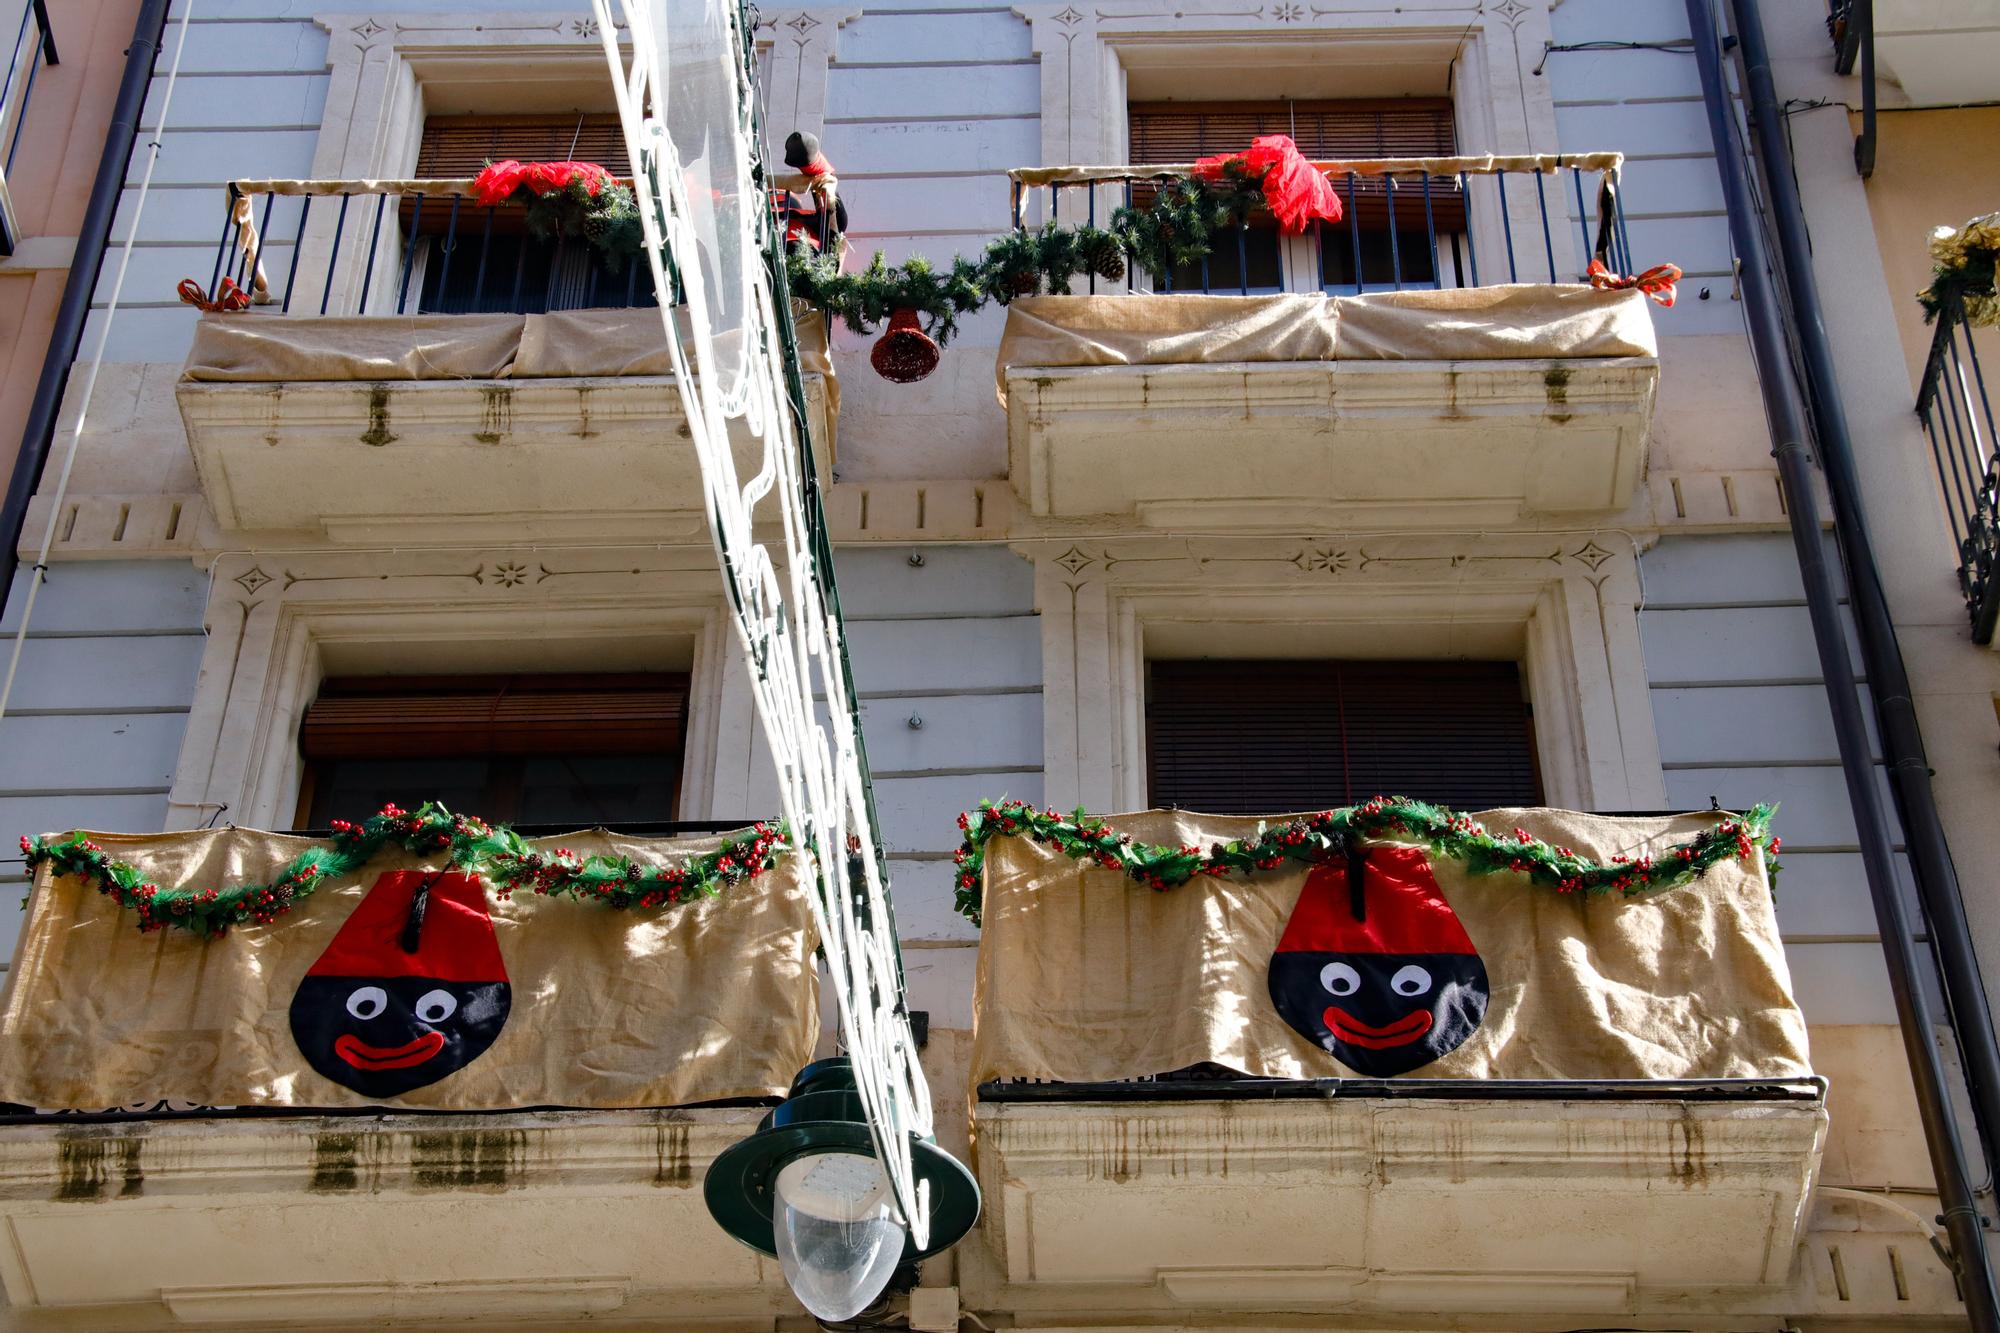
384, 1036
1381, 1014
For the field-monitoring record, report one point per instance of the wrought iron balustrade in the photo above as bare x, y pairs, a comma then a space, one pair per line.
406, 247
34, 46
1958, 417
1406, 223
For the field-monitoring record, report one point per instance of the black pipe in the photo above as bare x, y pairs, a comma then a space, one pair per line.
1864, 142
92, 237
1785, 412
1881, 655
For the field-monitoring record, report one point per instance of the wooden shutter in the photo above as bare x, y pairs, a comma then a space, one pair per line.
456, 146
1272, 737
1324, 131
404, 716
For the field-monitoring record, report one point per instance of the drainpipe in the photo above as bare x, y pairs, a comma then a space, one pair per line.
1785, 412
91, 240
1895, 714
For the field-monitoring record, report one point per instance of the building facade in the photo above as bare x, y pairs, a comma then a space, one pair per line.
1130, 579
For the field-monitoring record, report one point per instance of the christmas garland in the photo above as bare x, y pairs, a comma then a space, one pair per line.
1964, 260
1179, 227
472, 845
1315, 837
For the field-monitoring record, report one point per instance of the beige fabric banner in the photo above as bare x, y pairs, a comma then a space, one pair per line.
715, 999
253, 347
1167, 329
1085, 977
1529, 320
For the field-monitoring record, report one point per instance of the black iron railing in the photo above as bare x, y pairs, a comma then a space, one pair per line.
34, 46
1406, 223
406, 247
1958, 417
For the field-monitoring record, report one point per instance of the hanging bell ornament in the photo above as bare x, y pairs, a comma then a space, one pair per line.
905, 353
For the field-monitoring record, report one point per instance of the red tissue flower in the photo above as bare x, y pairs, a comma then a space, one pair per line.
498, 182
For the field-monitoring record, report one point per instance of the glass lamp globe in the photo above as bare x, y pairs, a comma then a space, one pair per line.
838, 1238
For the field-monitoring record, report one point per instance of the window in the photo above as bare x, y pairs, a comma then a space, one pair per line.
1236, 737
1365, 242
560, 749
483, 260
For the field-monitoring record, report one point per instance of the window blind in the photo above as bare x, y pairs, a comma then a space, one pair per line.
412, 716
1262, 737
455, 146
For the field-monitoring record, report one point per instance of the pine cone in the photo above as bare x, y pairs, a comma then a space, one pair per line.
1024, 284
1108, 264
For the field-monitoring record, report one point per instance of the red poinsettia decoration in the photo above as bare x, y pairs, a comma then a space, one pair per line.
498, 182
1295, 191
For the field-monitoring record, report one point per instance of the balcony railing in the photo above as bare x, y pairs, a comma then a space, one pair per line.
1958, 417
34, 46
1407, 223
396, 247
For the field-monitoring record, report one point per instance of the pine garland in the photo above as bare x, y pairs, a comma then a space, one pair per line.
1316, 837
1178, 228
471, 845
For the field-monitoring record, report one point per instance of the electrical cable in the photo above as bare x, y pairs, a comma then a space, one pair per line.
41, 568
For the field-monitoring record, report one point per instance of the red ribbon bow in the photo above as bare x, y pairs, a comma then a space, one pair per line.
1656, 282
1292, 186
229, 298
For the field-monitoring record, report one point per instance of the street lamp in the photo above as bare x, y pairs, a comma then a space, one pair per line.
806, 1188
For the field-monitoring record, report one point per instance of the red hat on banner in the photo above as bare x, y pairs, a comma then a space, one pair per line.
1404, 911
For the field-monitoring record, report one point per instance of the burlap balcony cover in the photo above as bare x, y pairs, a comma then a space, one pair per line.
1084, 976
713, 999
1526, 321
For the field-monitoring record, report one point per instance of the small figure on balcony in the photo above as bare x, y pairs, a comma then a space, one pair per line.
1375, 967
411, 989
814, 216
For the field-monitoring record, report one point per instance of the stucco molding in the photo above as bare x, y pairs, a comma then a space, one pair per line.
1564, 604
273, 618
1501, 106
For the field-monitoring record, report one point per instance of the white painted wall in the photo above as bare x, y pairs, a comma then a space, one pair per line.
926, 104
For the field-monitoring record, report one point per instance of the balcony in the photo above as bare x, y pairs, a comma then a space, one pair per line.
282, 1149
1958, 420
34, 46
1157, 1135
1942, 52
407, 365
1436, 357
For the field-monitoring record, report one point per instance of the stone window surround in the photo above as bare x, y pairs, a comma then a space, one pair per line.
1565, 603
271, 618
378, 65
1502, 106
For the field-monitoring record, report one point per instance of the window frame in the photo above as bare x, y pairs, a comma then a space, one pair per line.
1564, 604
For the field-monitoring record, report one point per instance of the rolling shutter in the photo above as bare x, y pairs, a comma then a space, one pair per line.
1272, 737
1324, 131
487, 716
456, 146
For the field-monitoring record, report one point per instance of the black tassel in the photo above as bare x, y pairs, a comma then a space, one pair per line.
413, 924
1357, 876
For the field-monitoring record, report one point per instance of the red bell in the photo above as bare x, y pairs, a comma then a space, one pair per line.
904, 354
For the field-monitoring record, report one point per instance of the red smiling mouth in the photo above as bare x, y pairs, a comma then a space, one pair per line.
363, 1056
1357, 1033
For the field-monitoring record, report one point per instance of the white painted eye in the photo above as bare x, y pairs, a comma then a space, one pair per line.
1340, 979
367, 1001
1411, 980
436, 1006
